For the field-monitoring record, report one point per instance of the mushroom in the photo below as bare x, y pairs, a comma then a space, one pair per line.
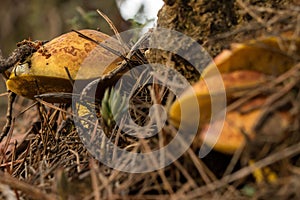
53, 67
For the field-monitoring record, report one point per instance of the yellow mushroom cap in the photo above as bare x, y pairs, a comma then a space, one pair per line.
244, 66
241, 123
235, 83
46, 73
267, 55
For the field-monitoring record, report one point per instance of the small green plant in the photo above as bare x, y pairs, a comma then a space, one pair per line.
113, 106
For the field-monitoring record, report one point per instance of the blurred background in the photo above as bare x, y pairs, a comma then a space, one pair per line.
44, 20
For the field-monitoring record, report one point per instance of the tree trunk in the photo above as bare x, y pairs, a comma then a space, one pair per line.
214, 24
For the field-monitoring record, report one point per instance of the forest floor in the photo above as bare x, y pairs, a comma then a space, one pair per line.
44, 157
